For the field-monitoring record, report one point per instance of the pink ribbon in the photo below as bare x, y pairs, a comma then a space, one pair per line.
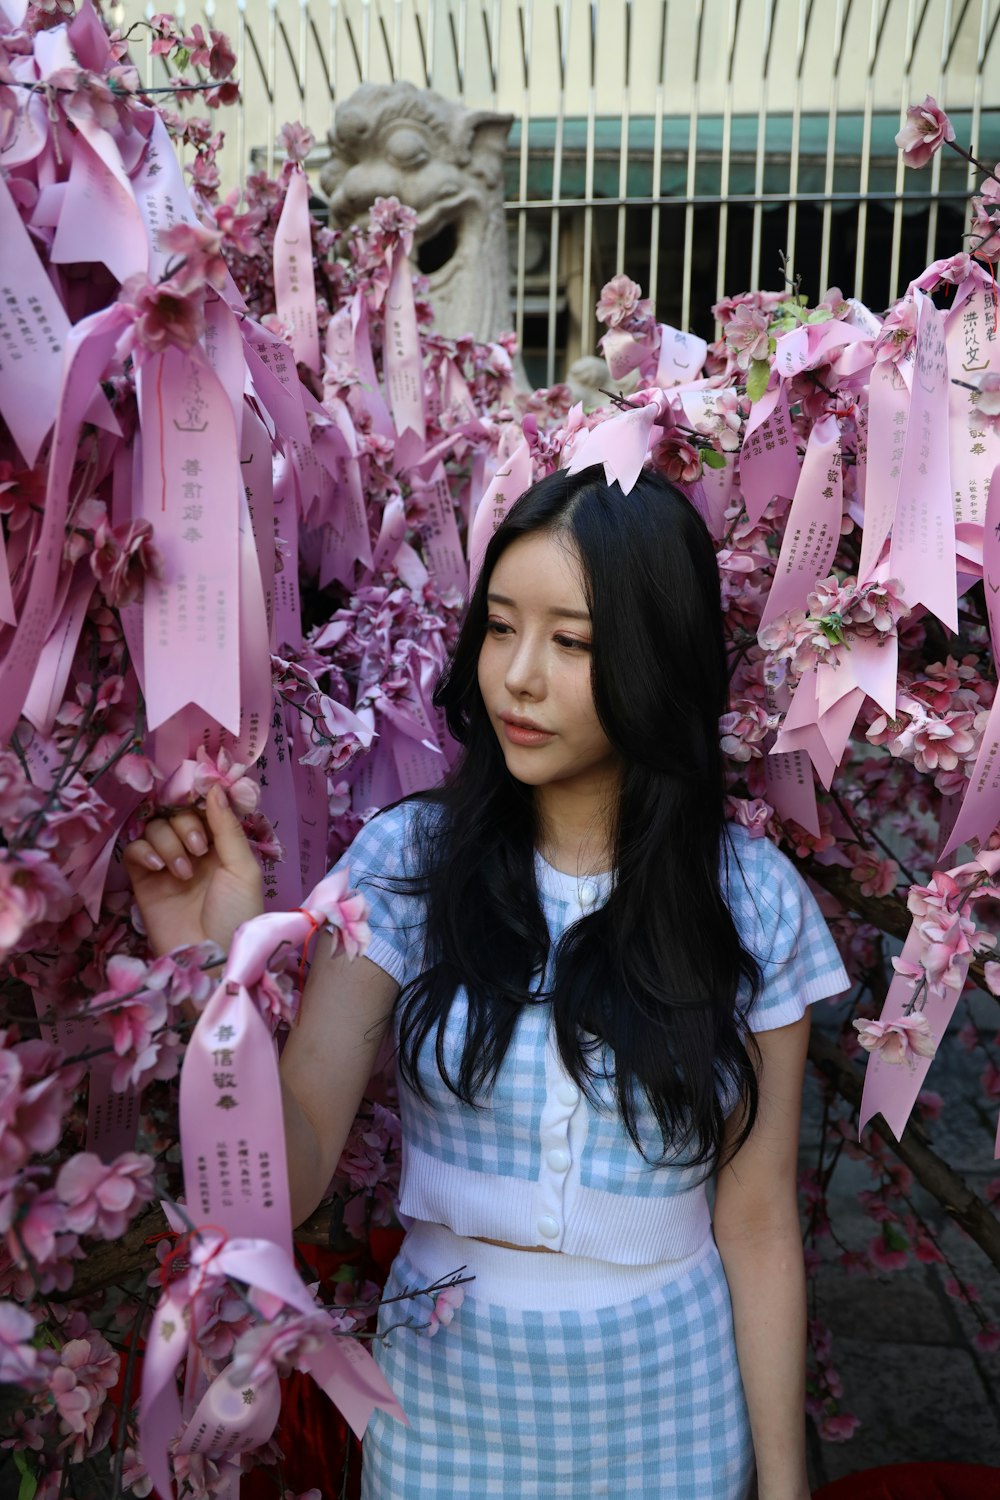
621, 442
812, 531
89, 348
980, 809
769, 462
891, 1089
236, 1185
294, 283
404, 370
922, 552
191, 496
888, 411
512, 478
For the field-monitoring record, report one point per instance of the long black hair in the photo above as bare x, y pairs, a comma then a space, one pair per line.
659, 973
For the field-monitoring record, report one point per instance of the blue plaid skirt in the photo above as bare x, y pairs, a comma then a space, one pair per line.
553, 1383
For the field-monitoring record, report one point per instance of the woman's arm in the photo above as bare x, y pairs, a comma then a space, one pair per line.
326, 1063
757, 1231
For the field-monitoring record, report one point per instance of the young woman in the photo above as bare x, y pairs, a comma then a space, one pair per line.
598, 990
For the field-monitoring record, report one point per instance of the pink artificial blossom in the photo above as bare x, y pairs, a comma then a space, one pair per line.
677, 458
87, 1369
926, 130
446, 1304
122, 558
344, 910
620, 300
32, 889
201, 250
101, 1197
897, 1041
747, 335
275, 1348
20, 1362
296, 140
876, 876
163, 313
839, 1427
220, 770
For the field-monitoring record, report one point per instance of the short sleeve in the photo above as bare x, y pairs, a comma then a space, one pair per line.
780, 923
383, 856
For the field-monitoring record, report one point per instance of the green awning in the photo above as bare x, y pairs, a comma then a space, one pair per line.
743, 132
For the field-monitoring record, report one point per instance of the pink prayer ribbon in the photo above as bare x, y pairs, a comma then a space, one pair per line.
980, 809
294, 283
973, 349
236, 1185
769, 462
888, 412
191, 496
100, 220
891, 1089
89, 348
33, 329
439, 531
621, 442
681, 359
512, 478
404, 370
812, 531
922, 551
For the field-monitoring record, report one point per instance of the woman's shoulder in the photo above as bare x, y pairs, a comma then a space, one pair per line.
396, 839
759, 881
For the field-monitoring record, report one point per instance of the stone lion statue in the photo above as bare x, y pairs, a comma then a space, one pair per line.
446, 162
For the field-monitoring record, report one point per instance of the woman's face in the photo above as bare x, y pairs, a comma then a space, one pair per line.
535, 668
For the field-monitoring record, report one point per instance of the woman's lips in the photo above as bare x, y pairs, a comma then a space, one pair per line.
523, 732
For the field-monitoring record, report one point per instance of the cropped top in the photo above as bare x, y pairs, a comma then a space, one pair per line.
536, 1162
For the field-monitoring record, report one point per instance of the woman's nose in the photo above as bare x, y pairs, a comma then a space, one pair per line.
525, 677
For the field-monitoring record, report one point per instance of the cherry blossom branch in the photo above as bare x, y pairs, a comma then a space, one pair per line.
931, 1170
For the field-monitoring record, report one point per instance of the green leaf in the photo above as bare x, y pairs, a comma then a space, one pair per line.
181, 58
29, 1483
894, 1237
819, 315
713, 459
758, 375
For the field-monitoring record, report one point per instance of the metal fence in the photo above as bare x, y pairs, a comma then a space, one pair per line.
700, 145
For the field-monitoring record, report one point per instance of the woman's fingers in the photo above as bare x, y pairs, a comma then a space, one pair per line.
190, 829
140, 855
166, 843
227, 831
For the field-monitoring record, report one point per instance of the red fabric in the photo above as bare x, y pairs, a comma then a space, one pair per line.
916, 1482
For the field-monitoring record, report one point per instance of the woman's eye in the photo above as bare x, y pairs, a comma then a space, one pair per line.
497, 627
573, 643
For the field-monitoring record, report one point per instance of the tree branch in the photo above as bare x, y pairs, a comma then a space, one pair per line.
931, 1170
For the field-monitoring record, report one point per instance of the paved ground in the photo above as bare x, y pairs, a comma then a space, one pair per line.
903, 1347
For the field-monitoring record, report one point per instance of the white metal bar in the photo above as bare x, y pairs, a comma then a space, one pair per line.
623, 141
587, 291
691, 172
897, 207
805, 16
727, 125
654, 233
562, 16
758, 174
525, 18
942, 95
839, 27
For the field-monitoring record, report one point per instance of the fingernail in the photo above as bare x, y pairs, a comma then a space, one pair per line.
155, 862
195, 841
181, 868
